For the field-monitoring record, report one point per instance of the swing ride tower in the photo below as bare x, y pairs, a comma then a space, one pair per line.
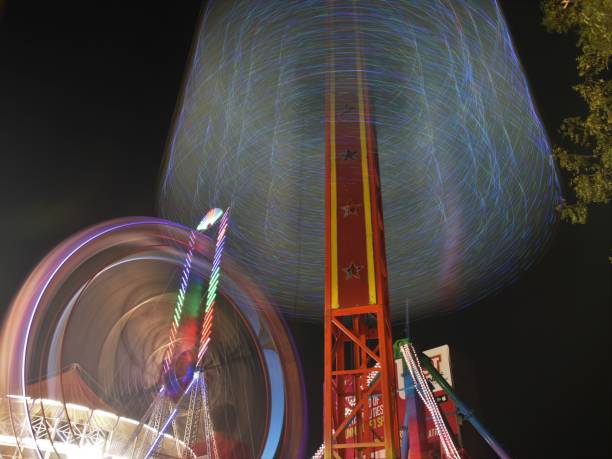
469, 187
359, 362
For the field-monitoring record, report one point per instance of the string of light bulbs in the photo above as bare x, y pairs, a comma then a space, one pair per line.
426, 395
211, 293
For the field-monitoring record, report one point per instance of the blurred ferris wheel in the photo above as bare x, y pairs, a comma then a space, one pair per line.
87, 340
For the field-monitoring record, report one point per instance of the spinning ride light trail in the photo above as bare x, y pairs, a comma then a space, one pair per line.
101, 301
438, 115
469, 186
196, 388
207, 222
178, 309
213, 284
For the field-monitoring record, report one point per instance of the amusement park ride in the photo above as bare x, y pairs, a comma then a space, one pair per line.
360, 370
360, 366
360, 373
358, 342
365, 373
183, 386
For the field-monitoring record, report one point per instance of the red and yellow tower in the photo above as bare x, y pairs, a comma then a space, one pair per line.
359, 365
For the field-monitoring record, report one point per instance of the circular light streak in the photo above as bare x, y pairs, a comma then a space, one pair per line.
103, 299
468, 182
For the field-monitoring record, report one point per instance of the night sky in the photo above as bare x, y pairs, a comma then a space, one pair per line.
87, 95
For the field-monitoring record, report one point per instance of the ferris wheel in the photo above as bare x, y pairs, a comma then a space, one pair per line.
105, 302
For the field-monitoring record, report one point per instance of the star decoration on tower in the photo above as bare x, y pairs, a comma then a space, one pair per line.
349, 154
349, 209
353, 271
348, 110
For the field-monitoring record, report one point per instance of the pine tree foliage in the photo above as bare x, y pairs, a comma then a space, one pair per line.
587, 153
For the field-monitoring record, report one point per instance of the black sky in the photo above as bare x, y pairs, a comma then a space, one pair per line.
87, 93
